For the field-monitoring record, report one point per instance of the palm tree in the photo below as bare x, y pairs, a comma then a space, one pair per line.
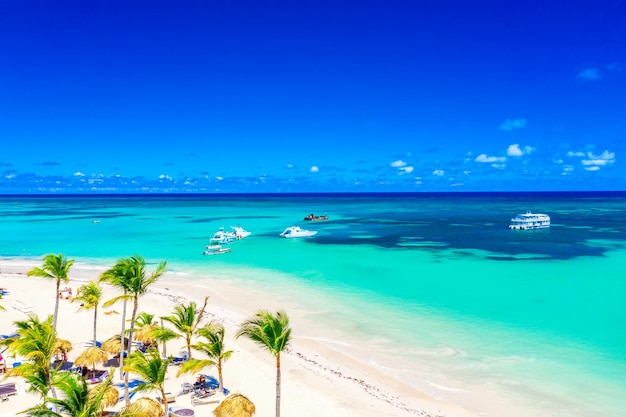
78, 400
54, 267
116, 276
185, 320
89, 296
36, 342
213, 348
273, 333
129, 274
145, 327
152, 369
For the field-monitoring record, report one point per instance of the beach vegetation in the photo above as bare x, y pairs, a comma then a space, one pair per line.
35, 341
130, 275
89, 295
273, 333
213, 347
185, 319
152, 369
1, 306
54, 267
78, 399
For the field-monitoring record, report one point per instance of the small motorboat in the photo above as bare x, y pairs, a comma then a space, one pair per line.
239, 232
215, 250
296, 231
221, 237
313, 218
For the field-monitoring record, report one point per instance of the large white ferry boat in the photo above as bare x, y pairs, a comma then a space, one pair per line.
530, 221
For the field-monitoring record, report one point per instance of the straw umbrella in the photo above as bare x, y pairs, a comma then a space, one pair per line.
61, 347
91, 357
235, 405
112, 345
143, 407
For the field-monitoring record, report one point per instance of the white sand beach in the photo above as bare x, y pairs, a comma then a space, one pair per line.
315, 380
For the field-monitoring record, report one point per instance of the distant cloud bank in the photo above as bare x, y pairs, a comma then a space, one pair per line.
513, 124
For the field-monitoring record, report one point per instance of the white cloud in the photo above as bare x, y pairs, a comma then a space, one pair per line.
489, 159
498, 166
165, 177
399, 163
515, 150
314, 169
79, 174
578, 154
219, 179
593, 168
439, 172
289, 166
568, 168
512, 124
606, 158
406, 170
589, 74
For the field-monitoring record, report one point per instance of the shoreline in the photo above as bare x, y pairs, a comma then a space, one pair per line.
314, 377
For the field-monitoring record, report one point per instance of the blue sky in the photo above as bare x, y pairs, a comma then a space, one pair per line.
305, 96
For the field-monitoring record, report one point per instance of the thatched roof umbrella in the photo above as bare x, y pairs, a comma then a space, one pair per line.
61, 346
235, 405
60, 349
143, 407
144, 334
112, 345
91, 357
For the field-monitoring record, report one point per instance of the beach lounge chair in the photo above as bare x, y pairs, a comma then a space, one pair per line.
22, 306
6, 390
98, 376
187, 388
207, 400
177, 360
171, 398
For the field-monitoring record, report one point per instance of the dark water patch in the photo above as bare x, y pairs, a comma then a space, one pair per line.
232, 220
476, 230
512, 258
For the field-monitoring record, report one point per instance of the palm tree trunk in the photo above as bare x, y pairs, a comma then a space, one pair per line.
95, 322
278, 385
122, 351
56, 305
130, 340
219, 374
164, 397
164, 347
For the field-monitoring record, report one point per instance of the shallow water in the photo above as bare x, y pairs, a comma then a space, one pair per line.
433, 289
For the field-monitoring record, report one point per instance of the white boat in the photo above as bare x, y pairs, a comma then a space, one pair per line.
529, 221
221, 237
239, 232
215, 250
296, 231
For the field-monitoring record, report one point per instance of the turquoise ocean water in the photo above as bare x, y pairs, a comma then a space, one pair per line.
430, 288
